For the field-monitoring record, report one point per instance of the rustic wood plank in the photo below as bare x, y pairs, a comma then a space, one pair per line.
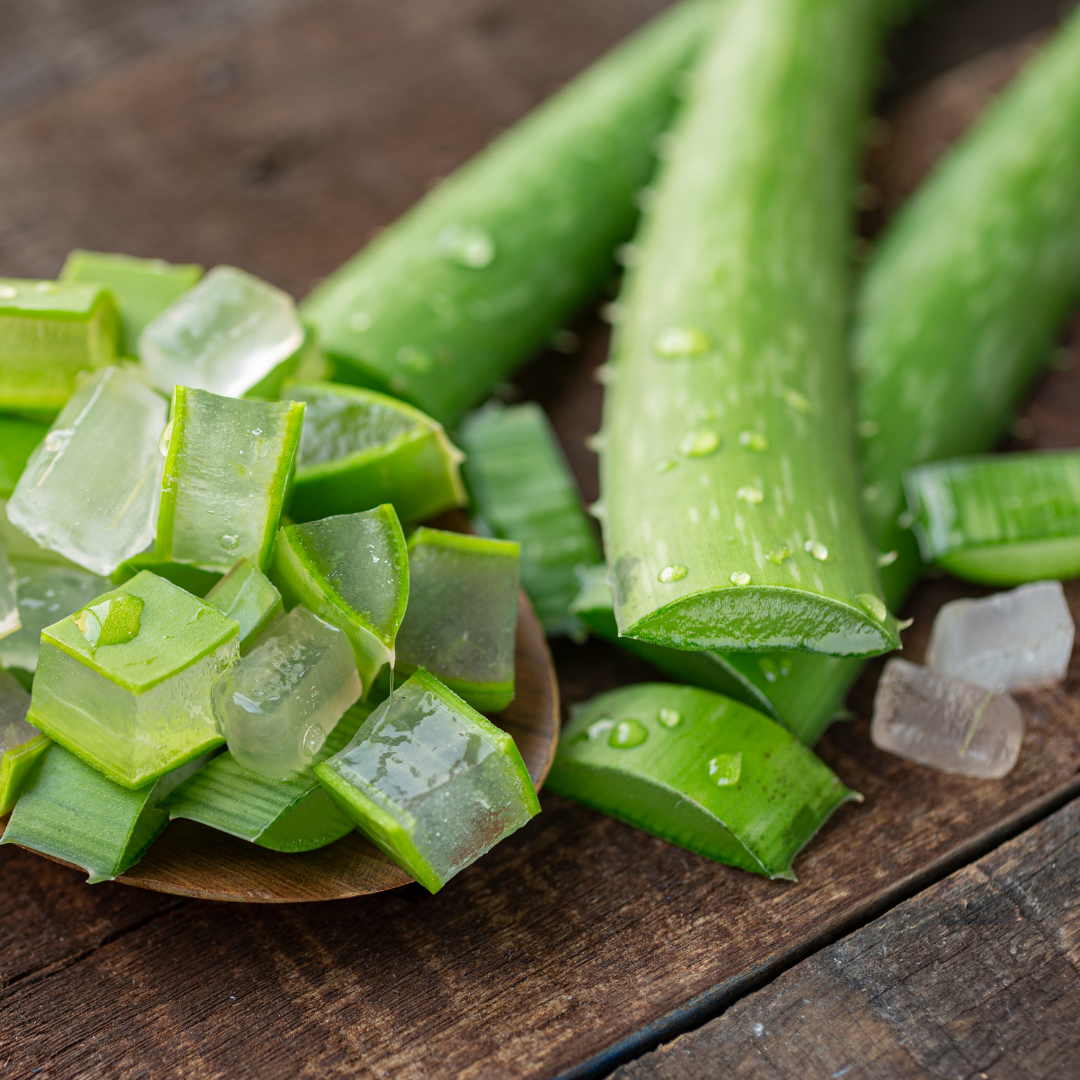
978, 976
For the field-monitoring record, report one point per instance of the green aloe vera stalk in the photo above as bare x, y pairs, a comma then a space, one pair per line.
49, 332
227, 473
523, 490
142, 288
450, 299
18, 438
431, 782
193, 579
730, 502
700, 771
21, 744
284, 815
1003, 519
352, 570
802, 691
360, 449
249, 597
461, 621
72, 812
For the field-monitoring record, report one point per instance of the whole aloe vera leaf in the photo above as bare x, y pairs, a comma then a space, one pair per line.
729, 488
450, 299
699, 770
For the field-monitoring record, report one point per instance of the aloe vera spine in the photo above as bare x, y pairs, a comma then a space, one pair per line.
445, 303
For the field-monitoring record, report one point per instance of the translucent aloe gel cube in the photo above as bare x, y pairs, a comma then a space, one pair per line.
249, 597
431, 782
461, 620
21, 744
125, 683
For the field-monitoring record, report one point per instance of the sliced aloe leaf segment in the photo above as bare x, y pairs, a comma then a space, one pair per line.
701, 771
360, 449
284, 815
72, 812
523, 490
18, 438
431, 782
462, 615
21, 744
353, 571
248, 596
193, 579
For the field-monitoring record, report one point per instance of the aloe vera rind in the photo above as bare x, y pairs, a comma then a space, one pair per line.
287, 815
730, 502
72, 812
18, 438
360, 449
445, 303
523, 490
192, 579
49, 332
142, 288
699, 770
21, 744
802, 691
248, 596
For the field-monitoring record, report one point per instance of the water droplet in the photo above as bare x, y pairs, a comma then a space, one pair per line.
164, 439
414, 359
626, 255
699, 442
112, 619
665, 464
817, 549
753, 440
599, 728
669, 718
739, 577
56, 440
314, 738
681, 342
46, 287
229, 542
780, 554
887, 558
672, 573
873, 605
725, 769
8, 293
595, 443
360, 321
799, 402
769, 669
628, 733
867, 429
467, 245
750, 495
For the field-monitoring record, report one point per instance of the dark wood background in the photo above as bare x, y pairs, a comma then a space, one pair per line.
279, 135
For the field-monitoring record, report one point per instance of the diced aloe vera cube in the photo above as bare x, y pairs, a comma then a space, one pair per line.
228, 467
431, 782
462, 615
361, 448
247, 595
21, 744
284, 815
700, 771
49, 332
126, 682
70, 811
353, 571
18, 438
193, 579
90, 490
226, 335
142, 288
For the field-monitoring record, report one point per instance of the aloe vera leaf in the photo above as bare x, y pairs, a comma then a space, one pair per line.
450, 299
461, 619
730, 502
248, 596
353, 571
699, 770
432, 783
285, 815
49, 332
72, 812
190, 578
18, 439
360, 449
523, 490
21, 744
141, 288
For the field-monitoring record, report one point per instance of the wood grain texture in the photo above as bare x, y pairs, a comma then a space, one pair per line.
978, 976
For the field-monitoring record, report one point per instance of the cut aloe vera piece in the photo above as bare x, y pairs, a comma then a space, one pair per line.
699, 770
431, 782
49, 333
360, 449
462, 615
249, 597
1000, 519
227, 472
70, 811
21, 744
524, 491
286, 815
353, 571
142, 288
193, 579
9, 599
125, 683
802, 691
18, 439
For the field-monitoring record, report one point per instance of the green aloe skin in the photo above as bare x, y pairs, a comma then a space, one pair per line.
283, 815
192, 579
248, 596
523, 490
449, 300
18, 438
1001, 519
729, 491
701, 771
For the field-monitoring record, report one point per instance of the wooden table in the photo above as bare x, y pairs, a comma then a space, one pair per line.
921, 939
